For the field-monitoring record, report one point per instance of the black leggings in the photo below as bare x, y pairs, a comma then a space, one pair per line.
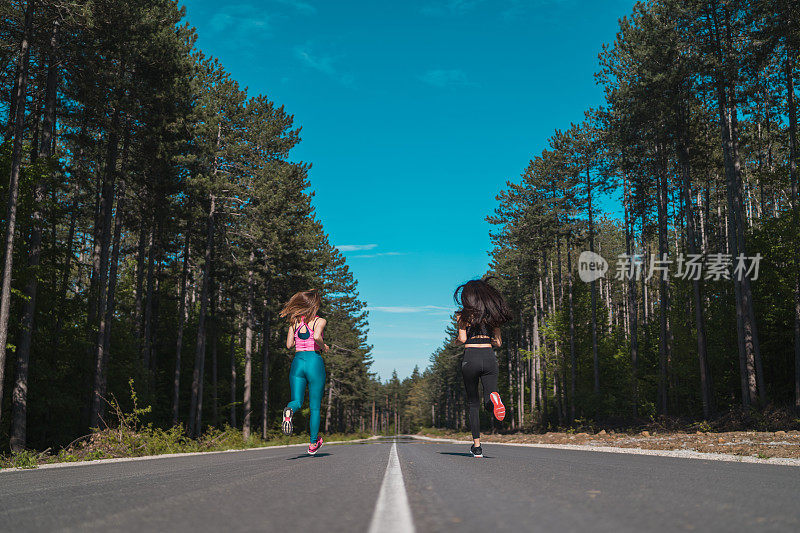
478, 363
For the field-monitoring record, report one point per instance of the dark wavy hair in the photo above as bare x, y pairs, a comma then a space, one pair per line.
481, 305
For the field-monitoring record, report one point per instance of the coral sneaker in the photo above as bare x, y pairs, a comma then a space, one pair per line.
312, 448
499, 408
287, 421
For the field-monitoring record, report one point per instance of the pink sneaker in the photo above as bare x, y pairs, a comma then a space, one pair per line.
312, 448
499, 408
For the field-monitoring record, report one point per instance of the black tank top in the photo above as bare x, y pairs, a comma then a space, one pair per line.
474, 334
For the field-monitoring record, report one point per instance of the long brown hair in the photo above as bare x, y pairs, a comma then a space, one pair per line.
481, 305
302, 304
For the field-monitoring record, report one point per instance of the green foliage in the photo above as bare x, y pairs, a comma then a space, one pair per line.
672, 178
151, 133
703, 426
23, 459
132, 420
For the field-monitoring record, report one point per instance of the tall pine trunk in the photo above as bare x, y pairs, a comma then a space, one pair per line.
540, 373
232, 354
67, 266
200, 352
700, 322
101, 250
265, 364
536, 347
108, 294
744, 326
19, 395
104, 333
747, 291
518, 371
176, 379
147, 325
248, 349
792, 104
198, 422
13, 189
595, 356
141, 255
572, 354
749, 356
633, 306
510, 372
663, 292
216, 302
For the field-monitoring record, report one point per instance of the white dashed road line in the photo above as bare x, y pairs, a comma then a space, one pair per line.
392, 512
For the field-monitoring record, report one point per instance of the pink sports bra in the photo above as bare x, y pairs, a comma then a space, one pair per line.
304, 341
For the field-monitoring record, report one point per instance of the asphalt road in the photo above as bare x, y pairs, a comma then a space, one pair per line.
511, 489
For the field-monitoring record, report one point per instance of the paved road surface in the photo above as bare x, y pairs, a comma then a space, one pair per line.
512, 489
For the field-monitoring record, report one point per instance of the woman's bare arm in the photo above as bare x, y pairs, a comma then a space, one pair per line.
497, 341
462, 336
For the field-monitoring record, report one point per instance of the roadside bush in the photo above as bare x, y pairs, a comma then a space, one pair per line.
129, 436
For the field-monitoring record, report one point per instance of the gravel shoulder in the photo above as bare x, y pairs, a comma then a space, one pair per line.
756, 444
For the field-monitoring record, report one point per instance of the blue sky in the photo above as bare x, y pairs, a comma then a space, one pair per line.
414, 115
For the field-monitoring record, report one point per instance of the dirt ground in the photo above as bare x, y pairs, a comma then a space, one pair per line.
769, 444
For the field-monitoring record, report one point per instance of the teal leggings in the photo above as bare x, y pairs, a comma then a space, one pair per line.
308, 368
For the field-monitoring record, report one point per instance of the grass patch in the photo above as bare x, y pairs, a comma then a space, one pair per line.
23, 459
118, 443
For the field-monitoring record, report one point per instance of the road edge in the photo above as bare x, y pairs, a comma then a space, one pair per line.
679, 454
171, 455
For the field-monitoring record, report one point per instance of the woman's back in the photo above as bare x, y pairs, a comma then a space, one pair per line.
304, 336
478, 330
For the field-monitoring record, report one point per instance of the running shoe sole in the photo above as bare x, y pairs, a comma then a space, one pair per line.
475, 455
499, 408
287, 421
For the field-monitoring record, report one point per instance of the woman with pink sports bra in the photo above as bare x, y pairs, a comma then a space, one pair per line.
308, 368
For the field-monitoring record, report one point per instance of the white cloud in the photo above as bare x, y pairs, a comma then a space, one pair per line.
362, 248
322, 63
299, 5
454, 7
237, 19
379, 254
355, 247
445, 77
507, 9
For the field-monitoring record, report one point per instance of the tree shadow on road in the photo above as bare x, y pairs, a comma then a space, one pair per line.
463, 454
306, 456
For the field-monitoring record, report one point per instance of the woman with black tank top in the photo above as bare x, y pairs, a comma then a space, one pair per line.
483, 311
